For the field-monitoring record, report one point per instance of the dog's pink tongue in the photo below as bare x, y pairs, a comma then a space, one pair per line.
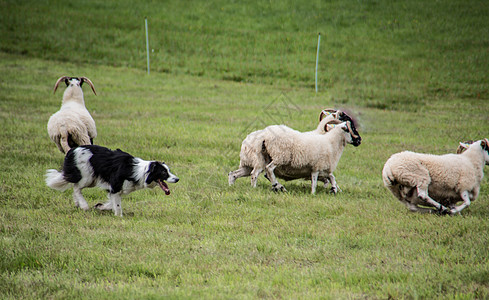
164, 187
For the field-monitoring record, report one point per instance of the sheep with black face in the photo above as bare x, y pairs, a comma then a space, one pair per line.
295, 154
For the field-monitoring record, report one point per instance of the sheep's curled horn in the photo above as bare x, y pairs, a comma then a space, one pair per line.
348, 124
333, 121
81, 79
326, 112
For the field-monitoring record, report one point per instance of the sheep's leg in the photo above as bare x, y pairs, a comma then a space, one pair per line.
78, 198
409, 197
85, 140
334, 186
271, 176
466, 198
241, 172
64, 143
415, 208
314, 181
254, 175
423, 194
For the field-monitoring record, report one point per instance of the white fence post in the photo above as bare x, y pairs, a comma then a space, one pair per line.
147, 41
317, 59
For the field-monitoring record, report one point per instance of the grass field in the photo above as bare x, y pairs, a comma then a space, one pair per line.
413, 73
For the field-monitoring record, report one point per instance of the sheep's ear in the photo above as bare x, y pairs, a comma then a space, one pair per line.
328, 127
67, 82
485, 144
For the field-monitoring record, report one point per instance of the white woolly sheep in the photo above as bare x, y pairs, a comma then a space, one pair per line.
296, 154
287, 172
316, 153
438, 181
252, 158
72, 125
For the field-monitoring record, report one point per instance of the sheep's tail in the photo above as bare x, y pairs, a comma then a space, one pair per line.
55, 180
69, 141
387, 176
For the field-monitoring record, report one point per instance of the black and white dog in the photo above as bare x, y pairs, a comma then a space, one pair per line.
116, 171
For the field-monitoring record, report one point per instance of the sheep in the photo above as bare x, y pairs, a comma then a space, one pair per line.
437, 180
316, 153
287, 172
296, 154
72, 125
252, 158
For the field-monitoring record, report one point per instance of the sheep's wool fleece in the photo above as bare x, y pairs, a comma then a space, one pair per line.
443, 174
72, 118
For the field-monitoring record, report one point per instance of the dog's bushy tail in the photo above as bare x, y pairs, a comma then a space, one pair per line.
56, 180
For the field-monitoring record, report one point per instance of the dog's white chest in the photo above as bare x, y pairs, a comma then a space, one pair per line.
129, 187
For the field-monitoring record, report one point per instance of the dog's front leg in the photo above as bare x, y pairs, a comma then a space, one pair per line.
105, 206
78, 198
116, 203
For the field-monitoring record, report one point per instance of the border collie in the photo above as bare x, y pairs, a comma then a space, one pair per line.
116, 171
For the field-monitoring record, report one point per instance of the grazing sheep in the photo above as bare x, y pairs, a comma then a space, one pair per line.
438, 181
252, 158
72, 125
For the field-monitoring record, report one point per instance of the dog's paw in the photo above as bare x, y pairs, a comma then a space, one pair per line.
85, 208
102, 206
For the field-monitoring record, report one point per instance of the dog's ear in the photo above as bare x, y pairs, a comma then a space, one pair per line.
151, 173
155, 172
151, 167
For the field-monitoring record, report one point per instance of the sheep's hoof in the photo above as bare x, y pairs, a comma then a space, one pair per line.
277, 187
333, 190
453, 212
443, 211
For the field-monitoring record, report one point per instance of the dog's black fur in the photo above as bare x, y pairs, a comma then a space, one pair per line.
116, 171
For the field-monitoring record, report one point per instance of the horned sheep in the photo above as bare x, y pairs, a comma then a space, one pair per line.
295, 154
438, 181
252, 159
72, 125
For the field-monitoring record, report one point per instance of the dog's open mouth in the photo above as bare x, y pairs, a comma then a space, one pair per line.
164, 186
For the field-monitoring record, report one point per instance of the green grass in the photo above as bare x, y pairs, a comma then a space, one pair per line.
414, 74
